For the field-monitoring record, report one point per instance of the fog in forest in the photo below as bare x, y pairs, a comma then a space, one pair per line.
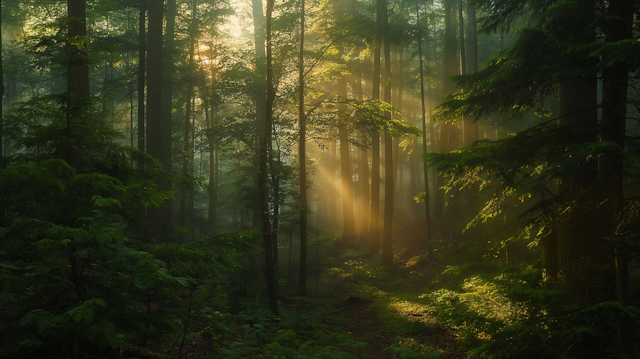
319, 179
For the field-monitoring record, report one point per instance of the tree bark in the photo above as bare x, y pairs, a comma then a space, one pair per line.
141, 75
302, 162
387, 238
169, 54
154, 103
448, 132
260, 89
427, 198
363, 166
2, 153
265, 139
78, 67
349, 223
374, 213
470, 131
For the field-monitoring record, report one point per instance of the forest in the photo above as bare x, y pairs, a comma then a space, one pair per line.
331, 179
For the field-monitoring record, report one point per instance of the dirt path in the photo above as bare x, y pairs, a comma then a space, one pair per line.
365, 327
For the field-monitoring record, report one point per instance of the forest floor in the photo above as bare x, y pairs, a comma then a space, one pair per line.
364, 309
383, 305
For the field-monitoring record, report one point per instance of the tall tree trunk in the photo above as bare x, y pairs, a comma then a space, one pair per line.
213, 144
260, 90
614, 101
333, 212
349, 223
470, 131
374, 213
427, 199
448, 132
78, 67
398, 155
363, 166
387, 236
169, 54
141, 75
579, 229
186, 194
154, 102
2, 142
78, 77
265, 139
302, 160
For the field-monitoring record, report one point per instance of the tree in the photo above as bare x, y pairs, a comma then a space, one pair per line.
546, 60
154, 101
374, 212
387, 239
142, 60
424, 135
302, 159
265, 139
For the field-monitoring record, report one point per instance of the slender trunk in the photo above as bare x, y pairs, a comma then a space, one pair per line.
387, 236
363, 167
260, 90
333, 213
186, 194
167, 98
398, 155
427, 199
448, 132
213, 148
302, 158
470, 124
349, 224
141, 75
154, 103
265, 139
374, 213
2, 153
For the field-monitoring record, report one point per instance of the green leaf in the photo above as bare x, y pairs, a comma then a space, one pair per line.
77, 317
26, 319
6, 285
7, 297
125, 299
30, 342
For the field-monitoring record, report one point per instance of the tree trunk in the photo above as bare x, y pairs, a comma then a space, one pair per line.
302, 161
169, 54
398, 155
260, 90
363, 166
78, 67
581, 249
427, 199
349, 223
186, 195
265, 139
470, 131
614, 101
2, 142
387, 237
154, 103
78, 76
374, 213
333, 213
448, 132
141, 75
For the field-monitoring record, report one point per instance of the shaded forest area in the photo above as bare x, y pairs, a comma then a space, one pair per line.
319, 179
